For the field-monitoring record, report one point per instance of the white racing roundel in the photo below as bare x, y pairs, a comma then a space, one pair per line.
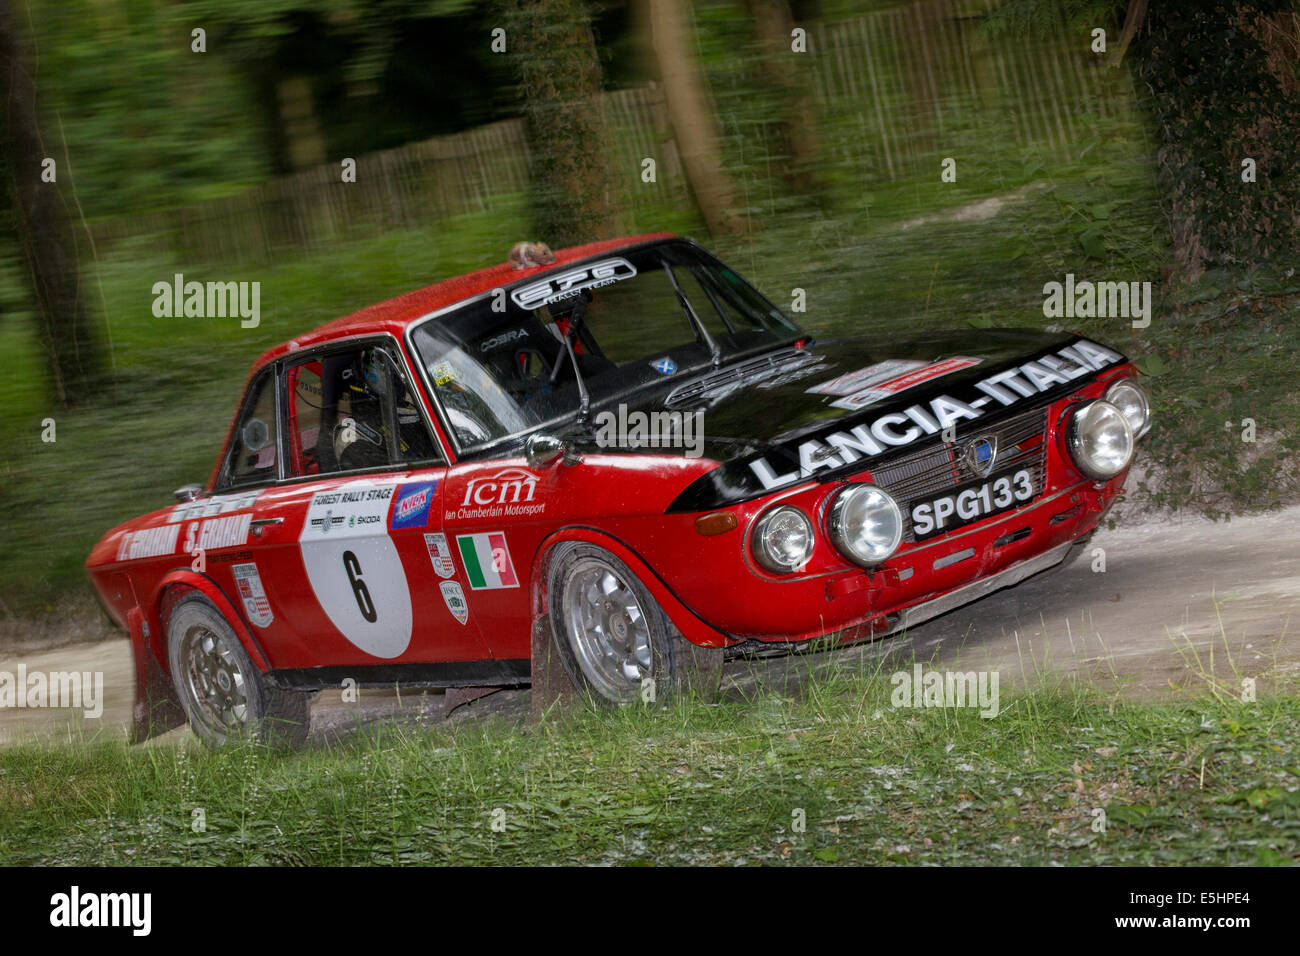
354, 568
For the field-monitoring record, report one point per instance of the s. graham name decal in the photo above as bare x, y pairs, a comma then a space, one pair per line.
899, 429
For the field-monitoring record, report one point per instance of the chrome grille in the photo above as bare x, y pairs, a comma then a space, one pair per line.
938, 467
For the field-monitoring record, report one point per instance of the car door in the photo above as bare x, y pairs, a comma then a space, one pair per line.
353, 530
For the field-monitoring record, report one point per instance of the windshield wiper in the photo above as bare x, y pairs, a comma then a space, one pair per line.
694, 319
575, 322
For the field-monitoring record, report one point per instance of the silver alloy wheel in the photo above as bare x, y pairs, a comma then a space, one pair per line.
607, 628
215, 681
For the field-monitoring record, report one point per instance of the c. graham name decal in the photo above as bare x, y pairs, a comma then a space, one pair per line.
899, 429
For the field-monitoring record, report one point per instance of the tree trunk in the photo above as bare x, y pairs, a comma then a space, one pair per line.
693, 118
575, 197
774, 25
1221, 82
43, 229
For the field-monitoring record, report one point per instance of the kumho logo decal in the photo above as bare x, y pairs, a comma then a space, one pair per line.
487, 561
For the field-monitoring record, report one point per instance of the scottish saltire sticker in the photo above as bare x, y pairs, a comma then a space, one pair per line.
252, 594
454, 598
440, 554
487, 561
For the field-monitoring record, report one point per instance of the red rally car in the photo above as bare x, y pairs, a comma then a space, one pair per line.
629, 451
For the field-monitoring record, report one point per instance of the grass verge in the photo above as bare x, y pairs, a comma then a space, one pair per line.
1060, 776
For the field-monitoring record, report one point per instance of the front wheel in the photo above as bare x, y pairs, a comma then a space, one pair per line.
223, 694
613, 638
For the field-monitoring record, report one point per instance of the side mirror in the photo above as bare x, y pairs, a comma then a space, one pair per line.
188, 492
542, 450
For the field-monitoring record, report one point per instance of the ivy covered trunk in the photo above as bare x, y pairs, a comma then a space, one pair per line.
1221, 84
554, 53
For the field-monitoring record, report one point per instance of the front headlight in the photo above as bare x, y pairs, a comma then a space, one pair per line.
1131, 400
1101, 440
866, 524
783, 539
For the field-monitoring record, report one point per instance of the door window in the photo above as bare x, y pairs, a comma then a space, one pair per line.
354, 410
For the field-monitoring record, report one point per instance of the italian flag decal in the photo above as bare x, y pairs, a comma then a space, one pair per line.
487, 560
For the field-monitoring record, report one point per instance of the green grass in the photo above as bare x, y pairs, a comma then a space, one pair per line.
1198, 782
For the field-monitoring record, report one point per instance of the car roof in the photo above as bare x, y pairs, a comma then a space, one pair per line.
394, 315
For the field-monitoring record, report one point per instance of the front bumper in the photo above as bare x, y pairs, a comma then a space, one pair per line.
927, 579
919, 613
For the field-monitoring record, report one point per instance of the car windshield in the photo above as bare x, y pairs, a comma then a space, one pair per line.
500, 368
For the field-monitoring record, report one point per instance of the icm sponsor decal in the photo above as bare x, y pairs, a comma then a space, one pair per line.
454, 597
251, 592
411, 508
508, 493
562, 285
148, 543
354, 568
899, 383
487, 561
440, 554
211, 507
898, 429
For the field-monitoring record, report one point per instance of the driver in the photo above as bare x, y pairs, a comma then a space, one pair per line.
359, 432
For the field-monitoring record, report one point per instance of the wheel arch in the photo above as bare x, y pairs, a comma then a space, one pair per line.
182, 581
691, 626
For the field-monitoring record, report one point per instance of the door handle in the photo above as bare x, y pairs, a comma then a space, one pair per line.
257, 524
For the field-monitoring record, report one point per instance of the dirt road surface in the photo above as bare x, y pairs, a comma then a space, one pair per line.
1178, 603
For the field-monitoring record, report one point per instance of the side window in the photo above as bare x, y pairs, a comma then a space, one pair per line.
252, 457
352, 410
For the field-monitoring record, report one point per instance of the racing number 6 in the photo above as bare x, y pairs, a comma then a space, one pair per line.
359, 590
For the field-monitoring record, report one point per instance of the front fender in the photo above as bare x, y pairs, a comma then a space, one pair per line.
185, 578
694, 628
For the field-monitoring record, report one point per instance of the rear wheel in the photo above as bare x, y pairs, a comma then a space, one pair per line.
613, 638
224, 695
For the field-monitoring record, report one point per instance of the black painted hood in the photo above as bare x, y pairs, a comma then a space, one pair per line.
836, 406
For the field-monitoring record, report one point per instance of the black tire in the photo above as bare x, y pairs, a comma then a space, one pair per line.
643, 643
225, 697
